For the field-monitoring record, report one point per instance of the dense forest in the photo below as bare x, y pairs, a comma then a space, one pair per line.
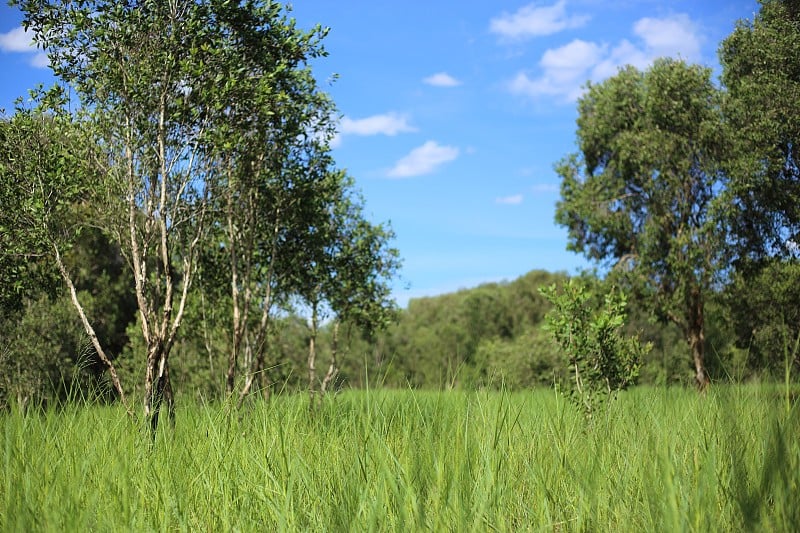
172, 221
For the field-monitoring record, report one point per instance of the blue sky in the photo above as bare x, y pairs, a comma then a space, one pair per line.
454, 113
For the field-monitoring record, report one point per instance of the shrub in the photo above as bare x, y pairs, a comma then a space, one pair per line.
601, 360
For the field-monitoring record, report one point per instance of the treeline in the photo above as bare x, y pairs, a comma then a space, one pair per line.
494, 335
491, 336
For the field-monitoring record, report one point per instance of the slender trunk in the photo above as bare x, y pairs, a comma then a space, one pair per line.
160, 392
696, 337
236, 333
257, 363
312, 357
137, 259
152, 366
158, 346
333, 369
90, 330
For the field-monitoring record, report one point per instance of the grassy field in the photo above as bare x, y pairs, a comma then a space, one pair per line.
656, 460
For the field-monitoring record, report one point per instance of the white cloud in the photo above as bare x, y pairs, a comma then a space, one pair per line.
625, 53
17, 40
566, 69
423, 160
532, 20
387, 124
515, 199
670, 36
542, 188
441, 79
563, 69
40, 60
20, 40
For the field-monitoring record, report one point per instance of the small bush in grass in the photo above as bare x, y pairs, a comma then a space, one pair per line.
601, 360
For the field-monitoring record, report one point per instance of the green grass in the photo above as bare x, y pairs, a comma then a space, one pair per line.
656, 460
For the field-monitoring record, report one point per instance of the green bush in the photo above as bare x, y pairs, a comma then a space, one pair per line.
601, 360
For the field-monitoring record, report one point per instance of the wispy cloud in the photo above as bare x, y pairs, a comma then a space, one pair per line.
386, 124
441, 79
21, 41
545, 188
40, 60
423, 160
675, 35
566, 69
514, 199
563, 71
532, 20
17, 40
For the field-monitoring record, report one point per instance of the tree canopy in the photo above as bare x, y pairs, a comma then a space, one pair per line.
761, 74
640, 193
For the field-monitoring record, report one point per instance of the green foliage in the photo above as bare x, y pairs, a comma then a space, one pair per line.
763, 303
530, 359
213, 139
436, 340
761, 73
601, 360
46, 354
44, 179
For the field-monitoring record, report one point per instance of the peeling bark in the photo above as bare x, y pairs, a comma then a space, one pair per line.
90, 330
333, 369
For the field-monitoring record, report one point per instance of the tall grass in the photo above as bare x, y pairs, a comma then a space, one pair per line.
655, 460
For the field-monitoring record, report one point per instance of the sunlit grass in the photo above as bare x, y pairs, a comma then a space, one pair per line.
657, 459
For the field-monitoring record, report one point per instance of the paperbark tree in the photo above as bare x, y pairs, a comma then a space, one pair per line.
158, 79
276, 121
640, 193
47, 173
347, 264
358, 288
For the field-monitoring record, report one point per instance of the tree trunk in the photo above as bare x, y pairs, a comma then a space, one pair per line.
239, 321
158, 388
160, 394
87, 326
333, 369
696, 337
312, 357
257, 364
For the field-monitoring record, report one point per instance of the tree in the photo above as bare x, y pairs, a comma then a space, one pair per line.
764, 307
761, 72
158, 80
362, 264
269, 142
640, 193
48, 170
342, 264
300, 192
